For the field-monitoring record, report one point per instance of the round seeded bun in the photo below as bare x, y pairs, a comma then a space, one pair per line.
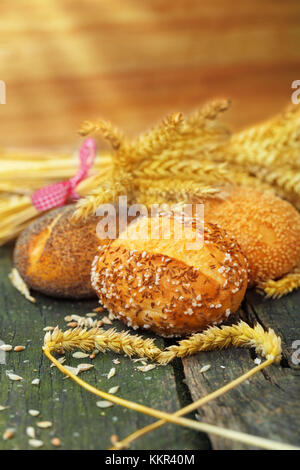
167, 285
54, 254
266, 228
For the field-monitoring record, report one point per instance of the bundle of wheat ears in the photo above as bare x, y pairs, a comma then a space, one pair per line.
181, 158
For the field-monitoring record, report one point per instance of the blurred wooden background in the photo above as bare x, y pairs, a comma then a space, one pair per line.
132, 61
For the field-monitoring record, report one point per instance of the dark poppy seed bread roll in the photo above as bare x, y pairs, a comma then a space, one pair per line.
54, 254
164, 286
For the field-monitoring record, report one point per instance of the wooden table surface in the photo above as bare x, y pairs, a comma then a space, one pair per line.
133, 62
267, 405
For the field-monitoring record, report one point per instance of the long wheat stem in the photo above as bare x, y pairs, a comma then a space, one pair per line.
124, 443
204, 427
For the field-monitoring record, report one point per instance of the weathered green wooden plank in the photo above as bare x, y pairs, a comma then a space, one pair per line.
76, 419
283, 315
268, 404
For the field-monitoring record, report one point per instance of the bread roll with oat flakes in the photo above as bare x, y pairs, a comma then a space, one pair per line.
266, 228
54, 254
164, 286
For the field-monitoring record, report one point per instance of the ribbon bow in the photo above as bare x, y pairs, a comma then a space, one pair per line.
57, 194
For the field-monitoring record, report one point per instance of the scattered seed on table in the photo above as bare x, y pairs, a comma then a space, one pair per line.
205, 368
30, 431
80, 355
48, 328
35, 443
56, 442
33, 412
19, 348
14, 376
6, 347
73, 370
111, 373
8, 434
35, 382
146, 368
84, 367
44, 424
114, 439
104, 404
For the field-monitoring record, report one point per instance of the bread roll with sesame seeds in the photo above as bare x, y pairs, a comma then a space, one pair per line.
266, 228
167, 285
54, 254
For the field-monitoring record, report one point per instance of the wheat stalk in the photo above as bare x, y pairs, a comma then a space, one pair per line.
264, 342
204, 427
124, 443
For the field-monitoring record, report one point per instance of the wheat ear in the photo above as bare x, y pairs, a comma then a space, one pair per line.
204, 427
266, 343
280, 287
103, 340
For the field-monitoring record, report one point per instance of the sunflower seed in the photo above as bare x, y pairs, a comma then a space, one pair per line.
80, 355
44, 424
48, 328
73, 370
146, 368
84, 367
35, 382
116, 361
6, 347
14, 376
111, 373
104, 404
33, 412
35, 443
106, 321
19, 348
114, 389
30, 431
205, 368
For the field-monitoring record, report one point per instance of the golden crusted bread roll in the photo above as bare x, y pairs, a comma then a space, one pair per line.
54, 254
165, 286
266, 228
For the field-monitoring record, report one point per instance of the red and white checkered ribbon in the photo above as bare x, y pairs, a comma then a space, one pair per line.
57, 194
